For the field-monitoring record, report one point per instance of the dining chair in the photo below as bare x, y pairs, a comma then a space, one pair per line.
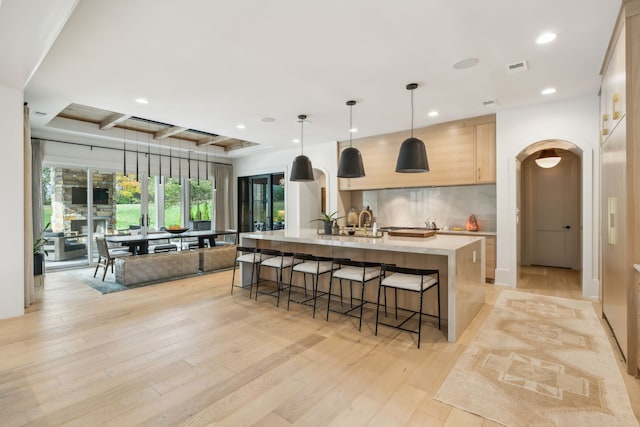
106, 257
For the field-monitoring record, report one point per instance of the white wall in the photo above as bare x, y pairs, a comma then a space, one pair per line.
298, 195
12, 214
575, 121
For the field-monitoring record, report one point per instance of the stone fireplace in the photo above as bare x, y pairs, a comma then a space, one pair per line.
68, 216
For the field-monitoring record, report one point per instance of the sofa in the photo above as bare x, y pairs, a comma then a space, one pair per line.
217, 257
156, 267
61, 247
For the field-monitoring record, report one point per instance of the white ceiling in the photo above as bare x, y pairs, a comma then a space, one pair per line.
211, 65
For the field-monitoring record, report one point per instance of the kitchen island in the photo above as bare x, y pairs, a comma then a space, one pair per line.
460, 260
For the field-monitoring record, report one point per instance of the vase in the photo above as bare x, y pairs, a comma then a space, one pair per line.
38, 264
327, 227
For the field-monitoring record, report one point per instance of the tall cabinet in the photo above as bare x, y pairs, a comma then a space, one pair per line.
620, 183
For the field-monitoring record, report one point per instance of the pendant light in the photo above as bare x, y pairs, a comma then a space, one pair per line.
350, 164
301, 169
548, 158
412, 157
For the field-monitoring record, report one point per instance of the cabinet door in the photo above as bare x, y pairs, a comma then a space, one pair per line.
614, 239
450, 152
616, 77
612, 89
486, 153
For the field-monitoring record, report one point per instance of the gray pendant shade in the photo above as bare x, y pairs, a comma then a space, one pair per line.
301, 170
412, 157
350, 164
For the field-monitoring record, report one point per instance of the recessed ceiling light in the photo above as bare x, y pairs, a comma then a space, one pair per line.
465, 63
268, 119
432, 114
548, 91
545, 38
240, 126
353, 130
296, 141
142, 100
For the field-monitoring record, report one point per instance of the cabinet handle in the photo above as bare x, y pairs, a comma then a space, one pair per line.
614, 100
605, 118
478, 174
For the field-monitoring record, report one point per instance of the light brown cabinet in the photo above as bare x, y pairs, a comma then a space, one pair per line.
490, 253
486, 153
459, 153
612, 88
620, 181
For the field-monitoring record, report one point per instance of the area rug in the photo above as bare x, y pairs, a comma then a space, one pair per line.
85, 275
540, 361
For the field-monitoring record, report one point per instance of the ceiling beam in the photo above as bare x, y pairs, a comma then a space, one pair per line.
113, 120
166, 133
212, 140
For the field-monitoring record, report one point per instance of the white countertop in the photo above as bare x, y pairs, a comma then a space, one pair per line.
467, 233
440, 244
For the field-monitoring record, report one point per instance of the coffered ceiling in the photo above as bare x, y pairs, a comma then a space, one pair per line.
245, 69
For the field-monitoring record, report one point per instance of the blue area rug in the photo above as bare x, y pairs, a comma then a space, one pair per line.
85, 275
109, 285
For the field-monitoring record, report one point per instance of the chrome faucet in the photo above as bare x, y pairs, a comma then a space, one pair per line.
364, 212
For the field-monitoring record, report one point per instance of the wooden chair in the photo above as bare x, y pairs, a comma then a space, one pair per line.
106, 257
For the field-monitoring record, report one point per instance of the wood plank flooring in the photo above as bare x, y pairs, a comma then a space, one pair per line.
189, 353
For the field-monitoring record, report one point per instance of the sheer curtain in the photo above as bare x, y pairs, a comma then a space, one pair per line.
224, 197
28, 213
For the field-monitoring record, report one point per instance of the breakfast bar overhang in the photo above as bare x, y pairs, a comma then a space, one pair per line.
460, 260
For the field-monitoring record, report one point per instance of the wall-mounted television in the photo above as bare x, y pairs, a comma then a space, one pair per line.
79, 196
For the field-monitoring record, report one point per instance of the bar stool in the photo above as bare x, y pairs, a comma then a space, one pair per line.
314, 266
353, 271
278, 260
251, 256
411, 280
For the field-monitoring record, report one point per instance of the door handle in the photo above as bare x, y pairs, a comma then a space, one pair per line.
567, 227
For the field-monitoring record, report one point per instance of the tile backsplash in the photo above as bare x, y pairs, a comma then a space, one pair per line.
449, 206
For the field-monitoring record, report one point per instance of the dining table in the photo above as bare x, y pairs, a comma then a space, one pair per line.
138, 244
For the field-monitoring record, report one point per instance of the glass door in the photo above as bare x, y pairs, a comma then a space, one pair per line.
261, 202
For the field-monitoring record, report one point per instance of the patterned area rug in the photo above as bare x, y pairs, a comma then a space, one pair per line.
542, 361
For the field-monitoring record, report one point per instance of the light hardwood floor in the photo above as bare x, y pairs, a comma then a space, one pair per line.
188, 353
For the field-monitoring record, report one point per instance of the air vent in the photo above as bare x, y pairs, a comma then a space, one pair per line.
516, 67
489, 102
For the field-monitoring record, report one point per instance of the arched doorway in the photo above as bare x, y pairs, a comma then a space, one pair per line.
549, 203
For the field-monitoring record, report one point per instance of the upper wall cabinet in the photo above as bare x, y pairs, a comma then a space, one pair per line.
460, 153
612, 89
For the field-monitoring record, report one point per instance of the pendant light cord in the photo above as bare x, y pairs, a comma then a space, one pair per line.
350, 123
411, 113
301, 136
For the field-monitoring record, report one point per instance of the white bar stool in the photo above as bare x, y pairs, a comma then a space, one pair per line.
410, 280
